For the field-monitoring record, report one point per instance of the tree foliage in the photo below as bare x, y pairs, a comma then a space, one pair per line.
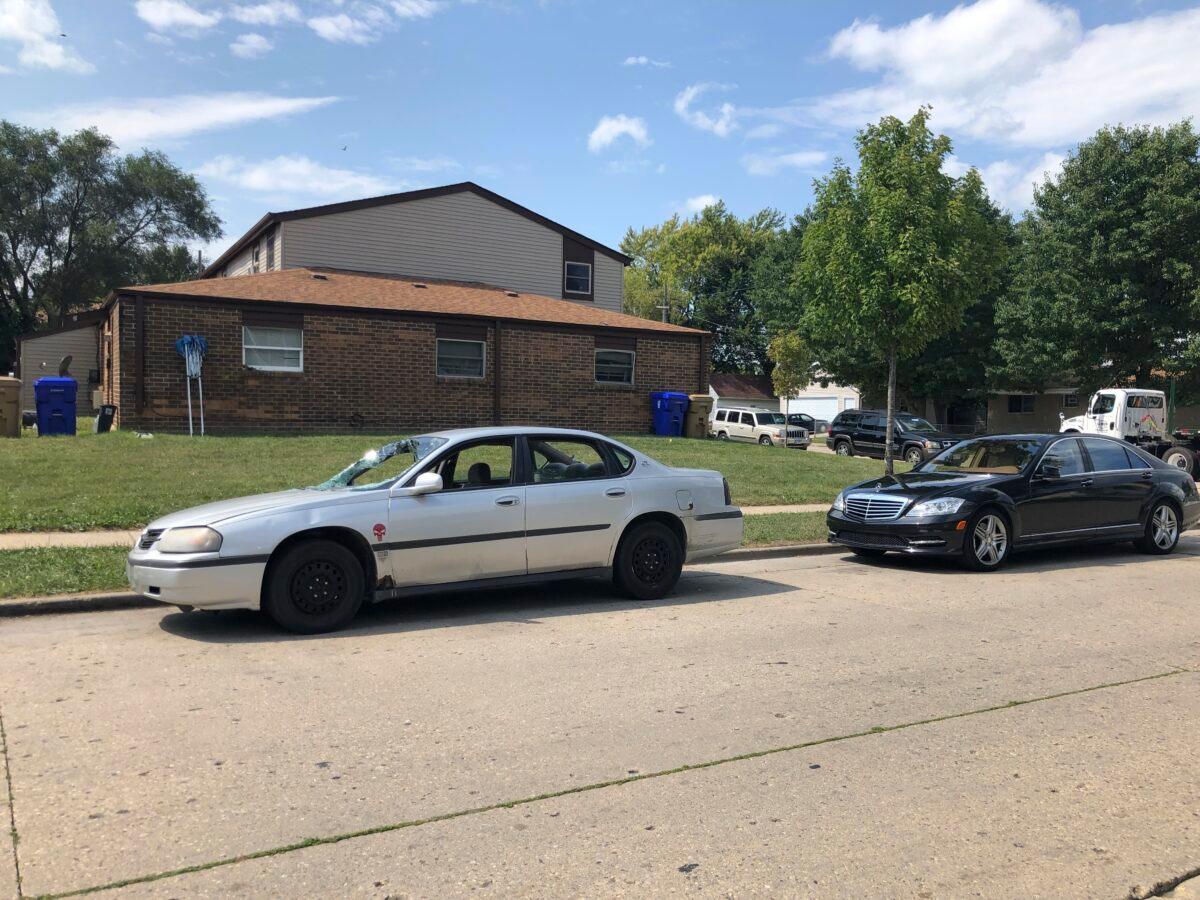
78, 219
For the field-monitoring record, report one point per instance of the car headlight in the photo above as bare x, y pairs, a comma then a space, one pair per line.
839, 503
189, 540
942, 506
931, 445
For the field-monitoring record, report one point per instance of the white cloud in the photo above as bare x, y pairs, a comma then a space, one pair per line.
1022, 71
721, 122
645, 61
609, 128
764, 132
273, 12
251, 46
175, 15
161, 39
426, 164
344, 29
138, 121
693, 205
33, 25
415, 9
1011, 184
774, 163
293, 175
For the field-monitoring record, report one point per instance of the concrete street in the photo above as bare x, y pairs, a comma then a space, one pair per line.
811, 726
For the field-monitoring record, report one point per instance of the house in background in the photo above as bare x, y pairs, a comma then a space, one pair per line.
40, 352
753, 391
430, 309
1012, 412
757, 392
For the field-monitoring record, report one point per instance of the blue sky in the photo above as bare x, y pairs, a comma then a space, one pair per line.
598, 114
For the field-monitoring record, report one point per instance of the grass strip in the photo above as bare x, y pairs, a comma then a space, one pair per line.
599, 785
43, 571
776, 529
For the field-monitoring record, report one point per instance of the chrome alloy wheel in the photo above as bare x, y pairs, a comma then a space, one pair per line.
990, 540
1166, 527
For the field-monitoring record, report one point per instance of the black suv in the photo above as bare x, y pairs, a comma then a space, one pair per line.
862, 432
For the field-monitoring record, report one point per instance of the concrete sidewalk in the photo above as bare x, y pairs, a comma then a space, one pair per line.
26, 540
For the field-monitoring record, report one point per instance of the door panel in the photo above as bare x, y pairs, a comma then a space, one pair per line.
869, 435
1057, 505
1118, 492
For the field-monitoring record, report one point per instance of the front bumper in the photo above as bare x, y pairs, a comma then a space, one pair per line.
939, 536
201, 580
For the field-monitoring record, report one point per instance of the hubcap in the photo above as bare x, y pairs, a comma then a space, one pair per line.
990, 540
651, 559
914, 457
1166, 527
843, 450
1178, 460
318, 587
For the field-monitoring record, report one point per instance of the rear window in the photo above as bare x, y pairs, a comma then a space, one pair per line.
844, 420
1107, 456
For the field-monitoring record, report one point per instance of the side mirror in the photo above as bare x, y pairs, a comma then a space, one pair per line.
1062, 416
426, 483
1048, 473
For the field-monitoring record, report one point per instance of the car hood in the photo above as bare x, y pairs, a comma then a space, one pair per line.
938, 436
927, 484
223, 510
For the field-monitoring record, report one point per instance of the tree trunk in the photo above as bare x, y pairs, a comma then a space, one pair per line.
889, 441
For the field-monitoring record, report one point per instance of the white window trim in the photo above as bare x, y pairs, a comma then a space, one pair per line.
575, 262
632, 367
483, 359
245, 347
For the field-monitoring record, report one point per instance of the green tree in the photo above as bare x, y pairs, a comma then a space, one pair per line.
793, 361
892, 254
1107, 279
78, 219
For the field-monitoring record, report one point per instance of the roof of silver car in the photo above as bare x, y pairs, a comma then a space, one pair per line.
499, 430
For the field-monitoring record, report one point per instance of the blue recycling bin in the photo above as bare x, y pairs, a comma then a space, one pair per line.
55, 401
668, 409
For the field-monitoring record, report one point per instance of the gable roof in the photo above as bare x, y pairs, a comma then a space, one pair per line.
728, 384
339, 289
272, 218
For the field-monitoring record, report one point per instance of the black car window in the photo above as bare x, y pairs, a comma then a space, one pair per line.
1135, 461
986, 456
873, 422
1106, 455
720, 415
1067, 456
748, 419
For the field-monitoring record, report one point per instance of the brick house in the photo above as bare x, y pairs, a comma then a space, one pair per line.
429, 309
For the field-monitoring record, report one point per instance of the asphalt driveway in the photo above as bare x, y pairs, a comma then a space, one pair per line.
810, 726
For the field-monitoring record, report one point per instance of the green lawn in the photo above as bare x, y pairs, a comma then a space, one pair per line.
119, 480
785, 528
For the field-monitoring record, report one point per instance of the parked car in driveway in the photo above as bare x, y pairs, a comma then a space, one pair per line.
758, 426
808, 423
985, 497
862, 432
469, 508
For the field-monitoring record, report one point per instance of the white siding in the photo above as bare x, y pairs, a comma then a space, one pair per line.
240, 264
40, 356
609, 289
460, 237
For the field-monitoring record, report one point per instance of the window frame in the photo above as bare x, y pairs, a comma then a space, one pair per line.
720, 415
1071, 401
516, 473
1020, 410
603, 450
299, 368
1092, 440
437, 355
632, 354
567, 263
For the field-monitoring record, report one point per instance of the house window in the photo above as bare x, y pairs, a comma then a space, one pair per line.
254, 260
1070, 401
578, 277
273, 349
1020, 403
614, 366
271, 253
461, 359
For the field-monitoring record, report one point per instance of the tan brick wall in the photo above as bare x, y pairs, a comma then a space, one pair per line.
376, 374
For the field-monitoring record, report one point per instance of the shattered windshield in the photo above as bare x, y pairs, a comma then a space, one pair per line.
389, 461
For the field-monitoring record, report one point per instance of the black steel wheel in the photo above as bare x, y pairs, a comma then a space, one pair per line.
649, 560
314, 586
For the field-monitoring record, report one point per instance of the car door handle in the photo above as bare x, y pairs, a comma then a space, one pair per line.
1148, 475
1086, 482
508, 501
615, 492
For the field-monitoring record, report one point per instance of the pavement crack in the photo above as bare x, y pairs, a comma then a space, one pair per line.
12, 807
600, 785
1162, 887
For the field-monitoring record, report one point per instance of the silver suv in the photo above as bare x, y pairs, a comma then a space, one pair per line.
759, 426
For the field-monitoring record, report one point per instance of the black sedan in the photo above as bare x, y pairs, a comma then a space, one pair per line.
984, 498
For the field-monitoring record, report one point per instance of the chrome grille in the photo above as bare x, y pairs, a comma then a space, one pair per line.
873, 508
149, 537
797, 433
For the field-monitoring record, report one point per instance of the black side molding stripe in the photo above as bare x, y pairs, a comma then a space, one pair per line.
199, 563
480, 538
570, 529
735, 514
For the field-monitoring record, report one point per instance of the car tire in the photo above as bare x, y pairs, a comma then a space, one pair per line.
722, 436
1181, 458
987, 541
649, 561
868, 552
913, 456
1162, 529
843, 448
315, 586
765, 441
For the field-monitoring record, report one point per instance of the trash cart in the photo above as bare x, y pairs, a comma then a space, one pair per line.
699, 409
55, 400
669, 409
10, 407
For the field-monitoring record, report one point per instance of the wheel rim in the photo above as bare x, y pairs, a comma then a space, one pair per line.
990, 539
651, 560
318, 587
843, 450
1166, 527
1178, 460
764, 440
914, 457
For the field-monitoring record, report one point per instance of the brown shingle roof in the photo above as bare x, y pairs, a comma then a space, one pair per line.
364, 290
732, 385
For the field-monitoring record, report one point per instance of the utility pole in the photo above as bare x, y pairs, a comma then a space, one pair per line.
665, 305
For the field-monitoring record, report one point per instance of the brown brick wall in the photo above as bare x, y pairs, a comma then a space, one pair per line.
376, 374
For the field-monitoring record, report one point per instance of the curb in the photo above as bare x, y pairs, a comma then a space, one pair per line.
79, 603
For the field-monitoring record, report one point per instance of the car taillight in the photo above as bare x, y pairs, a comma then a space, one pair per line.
728, 496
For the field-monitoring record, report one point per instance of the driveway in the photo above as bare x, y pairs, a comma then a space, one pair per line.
816, 726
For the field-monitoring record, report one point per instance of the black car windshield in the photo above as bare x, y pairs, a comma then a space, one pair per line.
988, 456
913, 423
391, 461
